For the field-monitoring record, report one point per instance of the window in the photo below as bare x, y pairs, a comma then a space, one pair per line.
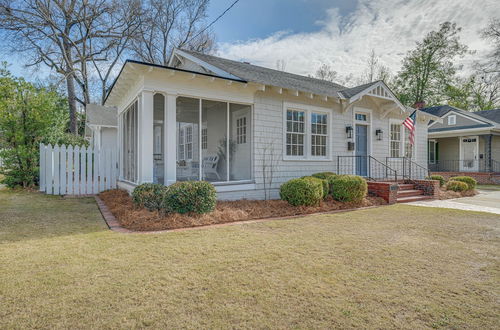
241, 130
189, 142
360, 117
395, 140
204, 139
452, 120
319, 134
432, 152
129, 143
295, 131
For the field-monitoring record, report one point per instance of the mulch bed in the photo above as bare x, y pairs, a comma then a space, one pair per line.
449, 194
120, 204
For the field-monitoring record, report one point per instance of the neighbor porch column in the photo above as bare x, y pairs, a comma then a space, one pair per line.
145, 151
170, 139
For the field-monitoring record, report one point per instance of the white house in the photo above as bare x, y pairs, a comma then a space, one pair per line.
247, 129
101, 126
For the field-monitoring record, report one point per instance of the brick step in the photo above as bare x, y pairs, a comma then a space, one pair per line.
406, 186
412, 192
413, 199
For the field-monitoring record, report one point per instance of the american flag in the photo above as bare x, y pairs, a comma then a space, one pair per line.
410, 124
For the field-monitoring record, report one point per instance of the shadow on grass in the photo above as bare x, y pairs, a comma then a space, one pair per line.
31, 215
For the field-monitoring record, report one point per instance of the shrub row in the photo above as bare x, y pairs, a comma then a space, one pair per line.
310, 190
181, 197
470, 182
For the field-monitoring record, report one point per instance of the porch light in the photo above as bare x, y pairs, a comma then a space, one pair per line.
380, 134
348, 132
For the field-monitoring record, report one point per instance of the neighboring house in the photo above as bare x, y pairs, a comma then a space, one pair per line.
102, 126
247, 129
464, 141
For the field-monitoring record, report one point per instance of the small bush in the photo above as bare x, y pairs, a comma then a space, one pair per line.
349, 188
323, 175
457, 186
471, 182
190, 196
304, 191
149, 195
324, 183
439, 178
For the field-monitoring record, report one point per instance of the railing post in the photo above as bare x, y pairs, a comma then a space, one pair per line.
338, 164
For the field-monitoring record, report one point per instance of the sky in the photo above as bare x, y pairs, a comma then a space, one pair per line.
306, 33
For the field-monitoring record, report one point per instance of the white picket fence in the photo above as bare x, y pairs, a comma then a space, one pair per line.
76, 170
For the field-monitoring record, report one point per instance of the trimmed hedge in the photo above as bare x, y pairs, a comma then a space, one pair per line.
457, 186
439, 178
471, 182
324, 183
303, 191
349, 188
323, 175
149, 195
190, 196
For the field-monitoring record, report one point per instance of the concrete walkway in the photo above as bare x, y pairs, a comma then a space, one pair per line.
485, 201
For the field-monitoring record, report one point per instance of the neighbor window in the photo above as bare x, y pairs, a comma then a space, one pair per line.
395, 140
452, 120
241, 130
295, 131
319, 134
432, 152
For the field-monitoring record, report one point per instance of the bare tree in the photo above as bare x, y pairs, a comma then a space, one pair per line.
64, 35
492, 33
326, 72
280, 65
269, 161
168, 24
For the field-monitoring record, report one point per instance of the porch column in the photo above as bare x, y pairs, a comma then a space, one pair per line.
145, 151
170, 139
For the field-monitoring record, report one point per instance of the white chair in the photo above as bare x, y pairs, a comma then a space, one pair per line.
210, 164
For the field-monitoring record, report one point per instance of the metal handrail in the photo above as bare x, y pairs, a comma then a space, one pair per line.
376, 169
465, 165
410, 164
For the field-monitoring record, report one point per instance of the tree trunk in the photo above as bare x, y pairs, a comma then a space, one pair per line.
70, 84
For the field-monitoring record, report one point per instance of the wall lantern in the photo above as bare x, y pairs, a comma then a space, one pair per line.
380, 134
348, 132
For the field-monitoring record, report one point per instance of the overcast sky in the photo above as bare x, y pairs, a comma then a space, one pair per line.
306, 33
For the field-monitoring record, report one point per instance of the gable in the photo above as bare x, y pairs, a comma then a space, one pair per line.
453, 120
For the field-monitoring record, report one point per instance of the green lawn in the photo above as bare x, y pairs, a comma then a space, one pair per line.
488, 186
391, 267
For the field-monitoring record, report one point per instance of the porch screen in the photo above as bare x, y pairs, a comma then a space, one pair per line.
129, 143
213, 140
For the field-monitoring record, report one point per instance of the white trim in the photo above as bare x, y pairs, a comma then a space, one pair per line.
455, 132
385, 88
205, 65
450, 117
453, 112
234, 187
308, 110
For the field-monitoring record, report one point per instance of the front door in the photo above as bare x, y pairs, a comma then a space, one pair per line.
469, 161
361, 150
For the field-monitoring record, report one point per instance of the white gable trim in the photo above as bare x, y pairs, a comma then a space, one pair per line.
452, 112
212, 68
379, 90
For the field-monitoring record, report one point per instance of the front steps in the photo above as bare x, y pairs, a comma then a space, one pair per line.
408, 193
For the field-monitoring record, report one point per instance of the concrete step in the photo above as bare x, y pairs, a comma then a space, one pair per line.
412, 199
410, 192
406, 186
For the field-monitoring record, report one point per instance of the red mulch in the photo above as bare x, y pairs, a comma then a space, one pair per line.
120, 204
449, 194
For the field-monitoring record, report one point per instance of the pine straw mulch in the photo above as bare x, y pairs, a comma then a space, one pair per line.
449, 194
120, 204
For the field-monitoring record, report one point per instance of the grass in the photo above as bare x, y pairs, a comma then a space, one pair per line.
392, 267
495, 187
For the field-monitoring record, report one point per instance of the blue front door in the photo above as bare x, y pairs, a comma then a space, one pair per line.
361, 150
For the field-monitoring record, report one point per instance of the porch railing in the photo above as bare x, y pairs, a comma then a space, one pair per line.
407, 168
365, 166
465, 165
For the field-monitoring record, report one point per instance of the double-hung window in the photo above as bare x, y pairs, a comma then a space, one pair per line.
395, 140
306, 133
295, 132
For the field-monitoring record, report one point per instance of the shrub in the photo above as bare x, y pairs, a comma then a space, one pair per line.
304, 191
324, 183
149, 195
190, 196
457, 186
439, 178
471, 182
349, 188
323, 175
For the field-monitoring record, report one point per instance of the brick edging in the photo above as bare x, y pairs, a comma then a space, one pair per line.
114, 225
109, 218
